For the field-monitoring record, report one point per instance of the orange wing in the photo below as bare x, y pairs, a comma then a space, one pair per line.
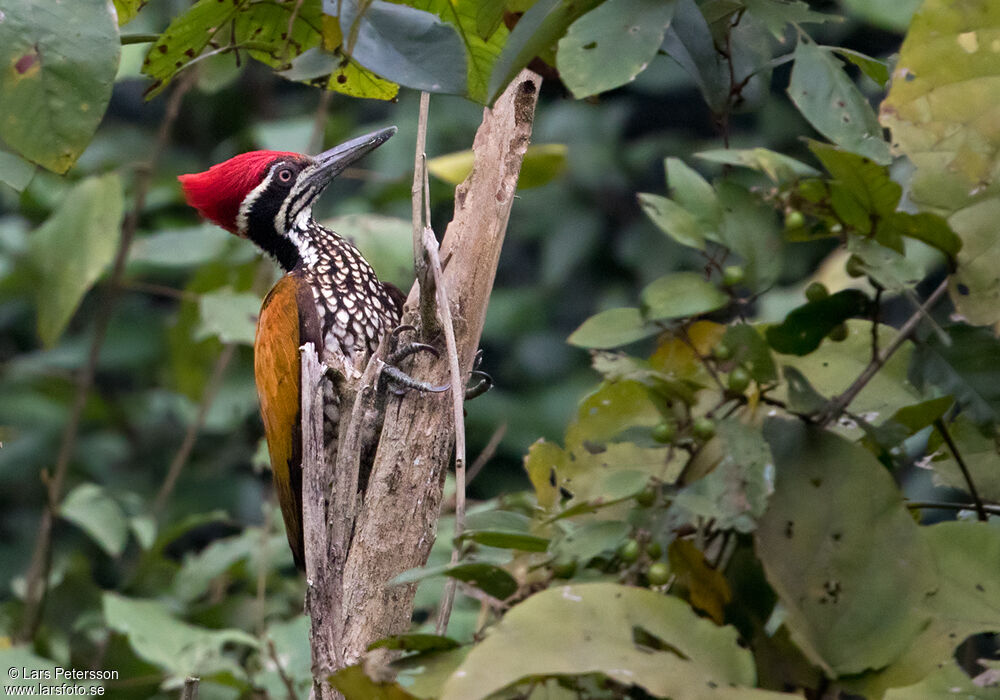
276, 368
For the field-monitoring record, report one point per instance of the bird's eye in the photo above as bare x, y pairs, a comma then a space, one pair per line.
285, 175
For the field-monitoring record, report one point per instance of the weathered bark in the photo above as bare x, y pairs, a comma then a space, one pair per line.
395, 523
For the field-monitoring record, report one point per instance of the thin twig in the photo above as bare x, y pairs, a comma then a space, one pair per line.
839, 403
458, 408
941, 505
184, 452
428, 319
943, 429
161, 290
487, 454
289, 684
38, 571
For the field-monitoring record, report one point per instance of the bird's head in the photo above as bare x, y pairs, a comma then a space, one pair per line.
267, 196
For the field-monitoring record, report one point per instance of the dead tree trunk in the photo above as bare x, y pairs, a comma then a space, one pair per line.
355, 544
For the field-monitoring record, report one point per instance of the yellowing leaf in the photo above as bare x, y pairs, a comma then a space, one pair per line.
542, 164
707, 587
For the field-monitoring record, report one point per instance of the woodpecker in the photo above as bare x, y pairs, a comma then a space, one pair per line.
329, 294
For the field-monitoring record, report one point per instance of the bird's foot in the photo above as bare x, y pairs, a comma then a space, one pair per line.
398, 380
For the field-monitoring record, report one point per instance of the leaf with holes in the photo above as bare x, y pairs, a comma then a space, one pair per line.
828, 99
610, 45
59, 65
845, 557
331, 71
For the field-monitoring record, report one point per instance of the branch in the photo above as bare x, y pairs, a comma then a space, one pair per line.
397, 521
837, 404
917, 505
421, 220
38, 571
190, 690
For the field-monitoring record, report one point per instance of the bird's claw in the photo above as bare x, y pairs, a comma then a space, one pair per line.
484, 383
403, 381
400, 354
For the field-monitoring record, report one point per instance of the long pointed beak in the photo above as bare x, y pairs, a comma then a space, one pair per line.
333, 162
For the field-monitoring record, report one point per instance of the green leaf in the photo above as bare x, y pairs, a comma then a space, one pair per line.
872, 67
965, 367
15, 172
331, 71
592, 628
941, 90
611, 329
861, 188
589, 540
128, 9
887, 267
229, 315
689, 41
72, 249
776, 14
679, 295
542, 163
804, 328
480, 25
828, 99
185, 247
893, 15
750, 230
750, 350
488, 578
832, 367
777, 166
405, 45
802, 397
354, 684
505, 539
537, 30
610, 45
174, 646
693, 192
415, 642
94, 511
964, 603
735, 493
673, 219
846, 559
60, 62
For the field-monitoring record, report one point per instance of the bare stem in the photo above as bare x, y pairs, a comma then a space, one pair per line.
943, 429
428, 319
190, 691
41, 558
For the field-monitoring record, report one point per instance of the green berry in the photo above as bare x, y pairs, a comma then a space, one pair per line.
739, 380
646, 497
733, 275
817, 291
564, 568
665, 432
629, 551
654, 550
703, 428
794, 219
856, 267
839, 333
658, 573
722, 352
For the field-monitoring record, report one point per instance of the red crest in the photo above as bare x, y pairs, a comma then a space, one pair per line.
218, 192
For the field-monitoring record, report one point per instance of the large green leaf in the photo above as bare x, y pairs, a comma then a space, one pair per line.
841, 551
59, 64
966, 601
15, 172
681, 294
537, 30
941, 109
406, 45
829, 100
609, 46
591, 628
980, 454
888, 14
232, 316
175, 646
689, 41
94, 511
73, 248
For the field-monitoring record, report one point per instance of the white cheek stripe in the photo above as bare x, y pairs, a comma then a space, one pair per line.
247, 204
